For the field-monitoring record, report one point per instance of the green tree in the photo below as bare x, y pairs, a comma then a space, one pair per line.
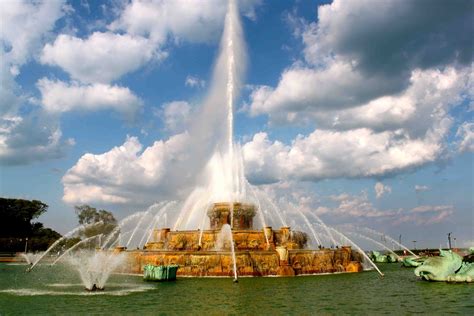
104, 220
16, 215
16, 226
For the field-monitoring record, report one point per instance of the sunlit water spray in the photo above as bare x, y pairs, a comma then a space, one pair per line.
389, 238
225, 236
67, 235
375, 242
82, 242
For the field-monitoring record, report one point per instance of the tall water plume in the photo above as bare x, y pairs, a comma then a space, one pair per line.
222, 178
231, 62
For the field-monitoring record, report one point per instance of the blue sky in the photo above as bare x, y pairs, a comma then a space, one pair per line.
359, 111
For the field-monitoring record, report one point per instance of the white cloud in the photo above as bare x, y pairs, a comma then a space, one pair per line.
194, 21
175, 114
101, 58
386, 135
366, 74
465, 134
193, 81
26, 135
127, 173
357, 206
31, 138
25, 25
419, 41
58, 97
427, 214
331, 154
346, 207
303, 89
421, 188
381, 189
296, 100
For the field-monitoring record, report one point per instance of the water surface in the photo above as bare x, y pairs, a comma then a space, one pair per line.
57, 290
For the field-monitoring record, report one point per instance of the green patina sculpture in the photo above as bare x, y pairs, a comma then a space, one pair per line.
449, 266
159, 273
412, 261
465, 274
380, 258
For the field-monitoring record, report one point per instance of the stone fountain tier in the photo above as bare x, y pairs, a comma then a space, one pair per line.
244, 239
264, 252
283, 255
249, 263
220, 214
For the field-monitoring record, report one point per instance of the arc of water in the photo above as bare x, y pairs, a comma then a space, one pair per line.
159, 206
260, 213
275, 208
158, 216
362, 252
391, 239
201, 225
309, 225
325, 228
61, 239
150, 229
375, 242
74, 247
141, 220
136, 227
119, 226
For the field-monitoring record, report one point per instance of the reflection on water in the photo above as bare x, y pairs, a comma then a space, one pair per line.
53, 290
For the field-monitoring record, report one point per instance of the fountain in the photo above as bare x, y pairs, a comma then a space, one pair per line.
232, 247
95, 267
31, 257
221, 228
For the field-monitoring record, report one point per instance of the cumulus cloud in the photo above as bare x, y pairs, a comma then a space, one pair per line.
378, 92
193, 81
199, 21
26, 134
25, 25
357, 206
127, 173
381, 189
406, 36
32, 138
427, 214
351, 60
347, 207
102, 57
304, 89
58, 97
421, 188
465, 135
175, 114
428, 99
331, 154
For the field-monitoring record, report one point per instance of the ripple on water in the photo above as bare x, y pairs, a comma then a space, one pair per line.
49, 291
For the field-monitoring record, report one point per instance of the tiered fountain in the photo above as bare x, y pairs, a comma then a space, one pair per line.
263, 252
223, 228
228, 244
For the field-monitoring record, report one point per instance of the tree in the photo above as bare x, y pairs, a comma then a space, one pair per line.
16, 215
104, 220
16, 226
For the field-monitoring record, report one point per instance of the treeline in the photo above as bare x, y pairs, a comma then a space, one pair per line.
19, 231
17, 227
